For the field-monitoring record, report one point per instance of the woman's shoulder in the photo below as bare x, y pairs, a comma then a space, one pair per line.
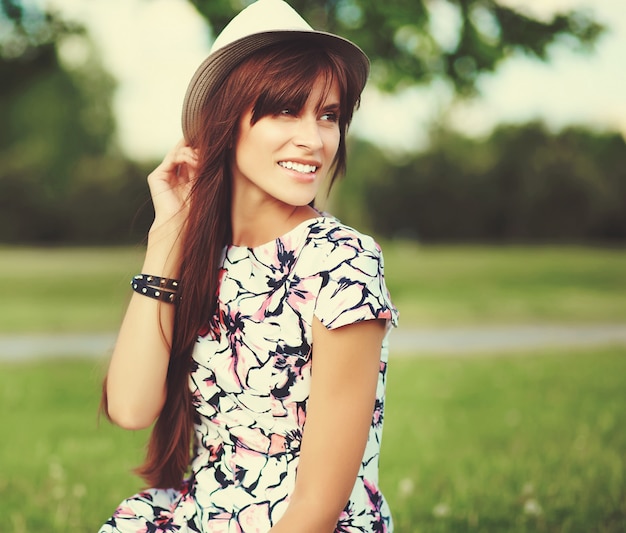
330, 233
352, 277
333, 246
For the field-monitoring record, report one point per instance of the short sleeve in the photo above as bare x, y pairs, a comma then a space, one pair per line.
353, 284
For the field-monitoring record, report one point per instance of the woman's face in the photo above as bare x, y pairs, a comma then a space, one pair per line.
285, 157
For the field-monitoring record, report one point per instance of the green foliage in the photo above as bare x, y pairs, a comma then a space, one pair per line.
52, 114
522, 184
398, 35
105, 202
86, 289
60, 177
527, 443
29, 32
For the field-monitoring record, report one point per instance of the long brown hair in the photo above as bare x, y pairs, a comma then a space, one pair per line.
271, 79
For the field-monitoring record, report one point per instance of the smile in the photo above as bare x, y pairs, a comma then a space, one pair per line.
298, 167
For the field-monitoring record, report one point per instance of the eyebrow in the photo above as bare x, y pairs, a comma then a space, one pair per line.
335, 106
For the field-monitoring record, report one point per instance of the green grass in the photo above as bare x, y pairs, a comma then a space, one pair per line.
527, 443
58, 466
65, 289
61, 290
444, 285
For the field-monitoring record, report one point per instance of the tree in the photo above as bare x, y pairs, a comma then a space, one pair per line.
399, 37
52, 113
54, 116
522, 184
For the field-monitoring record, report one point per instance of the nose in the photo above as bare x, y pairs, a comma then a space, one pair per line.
307, 134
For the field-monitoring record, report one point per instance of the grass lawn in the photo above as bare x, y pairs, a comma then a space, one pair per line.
524, 443
86, 289
535, 442
445, 285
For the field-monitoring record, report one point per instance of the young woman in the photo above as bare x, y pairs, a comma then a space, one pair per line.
256, 336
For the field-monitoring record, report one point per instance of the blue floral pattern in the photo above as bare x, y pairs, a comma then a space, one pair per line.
251, 379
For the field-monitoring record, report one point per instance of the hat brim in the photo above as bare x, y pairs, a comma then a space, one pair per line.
216, 67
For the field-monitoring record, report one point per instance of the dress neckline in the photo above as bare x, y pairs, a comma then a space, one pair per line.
293, 231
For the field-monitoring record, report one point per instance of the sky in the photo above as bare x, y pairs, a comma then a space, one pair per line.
152, 48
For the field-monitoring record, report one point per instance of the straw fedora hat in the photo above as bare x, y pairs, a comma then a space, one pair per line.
262, 23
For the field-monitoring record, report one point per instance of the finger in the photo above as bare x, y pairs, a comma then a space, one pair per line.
185, 162
178, 154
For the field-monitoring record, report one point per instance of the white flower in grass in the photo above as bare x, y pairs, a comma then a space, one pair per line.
405, 487
532, 507
56, 471
441, 510
79, 490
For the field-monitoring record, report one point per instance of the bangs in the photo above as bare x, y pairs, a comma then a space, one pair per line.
284, 83
291, 93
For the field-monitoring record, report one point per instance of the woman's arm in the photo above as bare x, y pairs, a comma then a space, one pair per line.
135, 386
345, 369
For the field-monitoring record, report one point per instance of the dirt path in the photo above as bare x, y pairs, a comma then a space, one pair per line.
404, 341
505, 339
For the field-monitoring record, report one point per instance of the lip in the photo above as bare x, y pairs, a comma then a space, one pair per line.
299, 176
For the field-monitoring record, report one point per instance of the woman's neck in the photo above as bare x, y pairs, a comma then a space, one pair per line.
255, 226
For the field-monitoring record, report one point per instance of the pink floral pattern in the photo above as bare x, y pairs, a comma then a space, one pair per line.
251, 379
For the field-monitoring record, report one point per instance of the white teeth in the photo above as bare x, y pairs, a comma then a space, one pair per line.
298, 167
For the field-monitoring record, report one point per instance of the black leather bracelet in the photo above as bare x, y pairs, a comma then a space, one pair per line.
156, 281
155, 287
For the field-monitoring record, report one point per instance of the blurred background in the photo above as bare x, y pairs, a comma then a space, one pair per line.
488, 158
507, 118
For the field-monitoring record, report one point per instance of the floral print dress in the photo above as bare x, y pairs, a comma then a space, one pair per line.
251, 379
